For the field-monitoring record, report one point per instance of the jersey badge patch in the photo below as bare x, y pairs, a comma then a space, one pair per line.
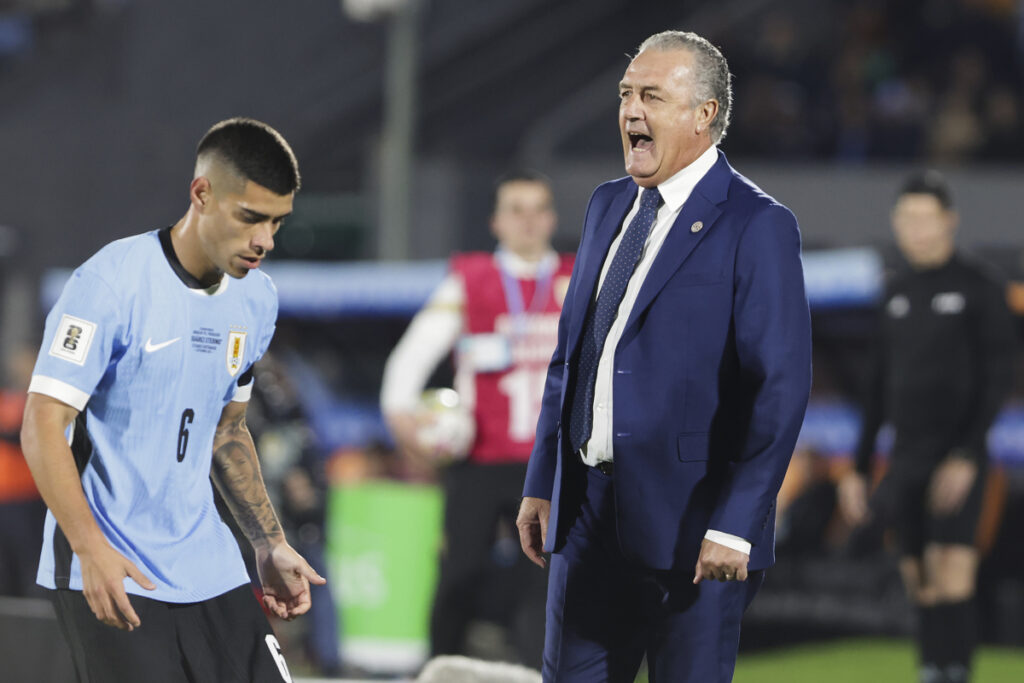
236, 351
73, 339
948, 303
898, 306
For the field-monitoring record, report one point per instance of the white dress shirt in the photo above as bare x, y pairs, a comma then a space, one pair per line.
674, 193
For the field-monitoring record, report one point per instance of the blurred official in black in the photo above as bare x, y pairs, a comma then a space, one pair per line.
941, 374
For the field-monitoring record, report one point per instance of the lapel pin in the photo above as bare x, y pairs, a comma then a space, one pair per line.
696, 227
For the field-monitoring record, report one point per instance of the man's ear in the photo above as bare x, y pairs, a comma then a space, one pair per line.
706, 113
200, 194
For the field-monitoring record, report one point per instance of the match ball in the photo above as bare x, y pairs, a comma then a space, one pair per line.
449, 430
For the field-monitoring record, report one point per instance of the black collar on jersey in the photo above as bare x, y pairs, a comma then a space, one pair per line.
190, 280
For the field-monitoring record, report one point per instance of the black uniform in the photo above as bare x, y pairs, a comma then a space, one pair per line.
941, 373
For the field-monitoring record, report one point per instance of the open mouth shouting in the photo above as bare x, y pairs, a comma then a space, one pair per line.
641, 153
640, 142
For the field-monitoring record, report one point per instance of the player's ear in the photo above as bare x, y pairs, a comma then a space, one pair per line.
200, 193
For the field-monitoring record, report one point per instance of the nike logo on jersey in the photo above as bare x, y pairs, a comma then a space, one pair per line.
151, 347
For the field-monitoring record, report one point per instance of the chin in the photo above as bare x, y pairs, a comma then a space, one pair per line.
642, 176
645, 181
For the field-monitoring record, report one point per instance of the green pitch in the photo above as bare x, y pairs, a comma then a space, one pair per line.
864, 661
857, 661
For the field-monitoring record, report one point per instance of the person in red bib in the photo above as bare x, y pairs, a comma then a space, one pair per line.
496, 314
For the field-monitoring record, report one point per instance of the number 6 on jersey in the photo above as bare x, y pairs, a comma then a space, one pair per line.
186, 419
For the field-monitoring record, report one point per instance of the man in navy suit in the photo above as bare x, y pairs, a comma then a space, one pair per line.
674, 398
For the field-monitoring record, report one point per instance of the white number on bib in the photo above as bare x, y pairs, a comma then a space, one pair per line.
524, 388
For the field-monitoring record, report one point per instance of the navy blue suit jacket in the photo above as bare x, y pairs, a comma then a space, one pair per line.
712, 375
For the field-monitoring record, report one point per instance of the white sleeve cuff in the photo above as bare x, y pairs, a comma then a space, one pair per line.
62, 391
243, 394
728, 540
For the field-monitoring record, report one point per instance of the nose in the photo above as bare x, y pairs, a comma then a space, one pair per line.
263, 238
630, 107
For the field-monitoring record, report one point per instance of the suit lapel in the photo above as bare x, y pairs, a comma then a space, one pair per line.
595, 255
702, 205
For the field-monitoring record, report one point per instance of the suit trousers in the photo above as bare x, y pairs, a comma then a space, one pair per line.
604, 613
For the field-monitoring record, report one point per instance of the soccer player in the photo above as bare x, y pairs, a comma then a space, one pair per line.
147, 356
941, 373
499, 311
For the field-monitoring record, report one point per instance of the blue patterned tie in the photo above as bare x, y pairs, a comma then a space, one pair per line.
602, 314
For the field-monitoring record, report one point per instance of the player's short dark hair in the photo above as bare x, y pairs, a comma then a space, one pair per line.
519, 175
256, 151
929, 182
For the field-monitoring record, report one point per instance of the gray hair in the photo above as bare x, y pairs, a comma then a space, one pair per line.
712, 78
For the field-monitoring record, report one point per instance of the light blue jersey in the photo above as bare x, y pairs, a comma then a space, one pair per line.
151, 363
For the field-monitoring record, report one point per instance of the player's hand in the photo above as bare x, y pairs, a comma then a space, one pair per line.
103, 572
853, 498
720, 563
950, 485
532, 523
285, 576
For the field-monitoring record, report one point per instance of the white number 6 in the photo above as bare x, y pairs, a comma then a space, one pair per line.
275, 652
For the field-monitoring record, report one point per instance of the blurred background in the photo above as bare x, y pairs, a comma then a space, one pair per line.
402, 113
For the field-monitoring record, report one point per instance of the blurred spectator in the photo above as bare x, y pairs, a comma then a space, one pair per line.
304, 512
500, 311
293, 469
957, 129
785, 77
1004, 140
867, 80
22, 511
805, 506
941, 375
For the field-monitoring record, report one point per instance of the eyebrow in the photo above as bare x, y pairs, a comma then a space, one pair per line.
642, 88
260, 217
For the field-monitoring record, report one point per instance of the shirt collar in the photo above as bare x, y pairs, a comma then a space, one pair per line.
187, 278
676, 190
522, 269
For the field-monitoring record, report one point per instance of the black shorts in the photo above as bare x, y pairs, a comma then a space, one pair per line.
226, 639
902, 503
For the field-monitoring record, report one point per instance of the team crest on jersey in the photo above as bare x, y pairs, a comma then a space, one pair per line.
73, 338
236, 351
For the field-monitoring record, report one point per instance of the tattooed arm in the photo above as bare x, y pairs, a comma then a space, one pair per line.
236, 473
